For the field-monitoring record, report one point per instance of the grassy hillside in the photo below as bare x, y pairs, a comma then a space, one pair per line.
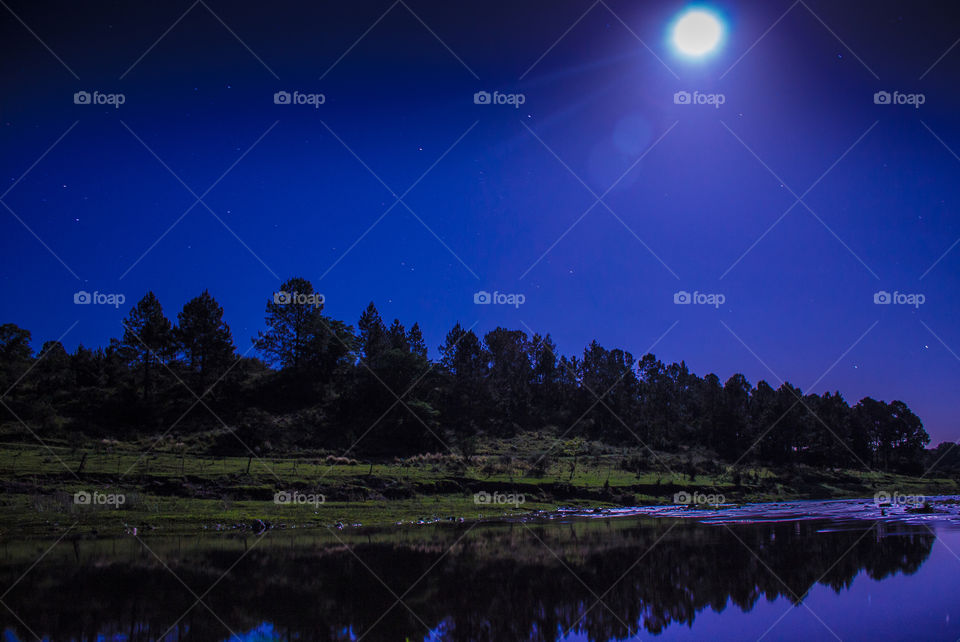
169, 488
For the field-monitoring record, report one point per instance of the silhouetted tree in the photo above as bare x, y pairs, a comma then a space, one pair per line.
374, 338
299, 337
415, 340
464, 363
52, 370
378, 393
204, 340
147, 341
15, 354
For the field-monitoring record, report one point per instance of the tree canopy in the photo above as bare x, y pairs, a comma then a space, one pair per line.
318, 382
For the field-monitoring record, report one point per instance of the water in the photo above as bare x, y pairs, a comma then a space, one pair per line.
795, 571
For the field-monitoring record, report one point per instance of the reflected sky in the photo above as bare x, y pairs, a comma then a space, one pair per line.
922, 605
669, 579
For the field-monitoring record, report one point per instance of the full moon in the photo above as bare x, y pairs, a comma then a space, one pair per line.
697, 33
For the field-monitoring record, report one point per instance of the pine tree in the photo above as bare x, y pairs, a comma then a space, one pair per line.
15, 354
290, 325
52, 370
415, 340
398, 337
374, 338
203, 339
299, 338
147, 340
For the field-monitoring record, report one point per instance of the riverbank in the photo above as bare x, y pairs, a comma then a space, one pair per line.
111, 488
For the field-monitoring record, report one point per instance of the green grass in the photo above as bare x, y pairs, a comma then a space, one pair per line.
171, 491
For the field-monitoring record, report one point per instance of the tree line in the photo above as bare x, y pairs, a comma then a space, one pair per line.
319, 382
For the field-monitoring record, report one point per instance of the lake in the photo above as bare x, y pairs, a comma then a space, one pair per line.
792, 571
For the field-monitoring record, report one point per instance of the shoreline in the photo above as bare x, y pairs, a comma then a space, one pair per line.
110, 491
112, 523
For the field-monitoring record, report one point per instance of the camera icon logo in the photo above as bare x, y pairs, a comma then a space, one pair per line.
281, 298
481, 98
82, 297
882, 297
82, 497
881, 98
483, 497
281, 98
482, 297
81, 98
282, 497
683, 497
682, 297
681, 98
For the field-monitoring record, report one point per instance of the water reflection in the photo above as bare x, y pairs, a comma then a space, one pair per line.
531, 581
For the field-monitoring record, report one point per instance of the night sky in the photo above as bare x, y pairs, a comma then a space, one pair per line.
502, 197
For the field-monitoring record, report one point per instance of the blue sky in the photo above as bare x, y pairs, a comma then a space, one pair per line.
501, 198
